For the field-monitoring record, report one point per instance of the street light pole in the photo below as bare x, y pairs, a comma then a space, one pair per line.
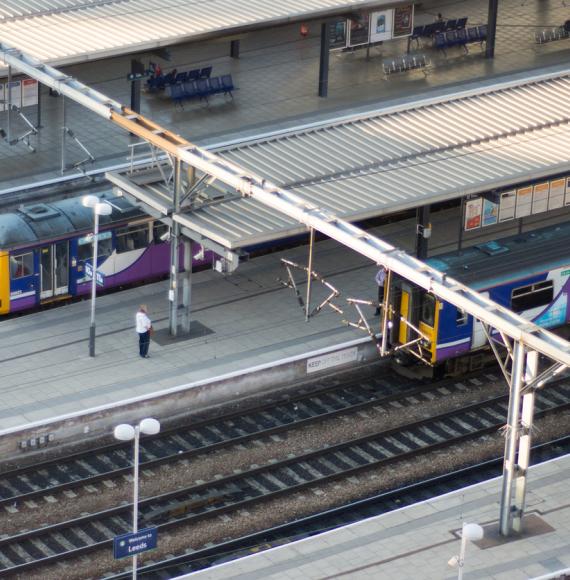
99, 208
126, 432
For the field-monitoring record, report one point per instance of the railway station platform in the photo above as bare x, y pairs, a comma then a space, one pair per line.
276, 76
418, 541
240, 321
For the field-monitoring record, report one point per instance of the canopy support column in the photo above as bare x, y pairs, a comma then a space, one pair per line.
491, 28
512, 434
309, 274
187, 280
324, 60
174, 242
234, 49
423, 232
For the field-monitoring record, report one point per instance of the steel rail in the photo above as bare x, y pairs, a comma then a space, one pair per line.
287, 489
290, 204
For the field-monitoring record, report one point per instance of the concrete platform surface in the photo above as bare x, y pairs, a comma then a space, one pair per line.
416, 542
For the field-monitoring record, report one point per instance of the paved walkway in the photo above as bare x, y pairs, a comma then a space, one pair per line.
277, 75
417, 541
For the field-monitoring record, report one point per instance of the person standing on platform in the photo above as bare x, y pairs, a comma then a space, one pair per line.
380, 279
144, 327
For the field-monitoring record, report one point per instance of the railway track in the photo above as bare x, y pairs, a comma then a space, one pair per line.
243, 490
235, 428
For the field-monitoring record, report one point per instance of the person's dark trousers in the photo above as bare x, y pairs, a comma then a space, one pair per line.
144, 343
380, 299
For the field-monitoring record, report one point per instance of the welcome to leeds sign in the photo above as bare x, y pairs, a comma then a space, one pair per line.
134, 543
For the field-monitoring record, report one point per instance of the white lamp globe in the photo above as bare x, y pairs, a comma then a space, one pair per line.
149, 426
124, 432
103, 209
89, 200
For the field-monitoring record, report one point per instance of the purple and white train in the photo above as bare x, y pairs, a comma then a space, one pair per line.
44, 248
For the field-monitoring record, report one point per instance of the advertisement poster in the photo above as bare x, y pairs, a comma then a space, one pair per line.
507, 205
540, 197
359, 30
29, 92
15, 96
381, 25
556, 195
473, 209
403, 20
490, 212
337, 38
524, 202
567, 192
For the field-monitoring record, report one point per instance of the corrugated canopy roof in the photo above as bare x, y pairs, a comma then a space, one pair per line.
390, 160
62, 32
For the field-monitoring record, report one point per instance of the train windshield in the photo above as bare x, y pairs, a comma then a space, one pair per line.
427, 315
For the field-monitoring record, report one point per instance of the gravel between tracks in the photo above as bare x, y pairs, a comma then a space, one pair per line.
318, 498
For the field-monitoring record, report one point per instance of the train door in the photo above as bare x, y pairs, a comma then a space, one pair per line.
479, 337
54, 270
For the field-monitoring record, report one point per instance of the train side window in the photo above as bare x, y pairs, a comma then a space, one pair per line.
21, 265
532, 296
461, 317
158, 229
428, 310
104, 247
132, 238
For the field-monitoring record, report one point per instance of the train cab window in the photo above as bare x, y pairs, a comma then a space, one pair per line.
21, 265
532, 296
461, 317
158, 231
104, 247
132, 238
428, 310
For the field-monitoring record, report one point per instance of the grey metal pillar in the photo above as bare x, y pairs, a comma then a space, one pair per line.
525, 442
422, 226
63, 135
9, 106
174, 240
324, 60
234, 48
461, 222
187, 287
309, 277
39, 109
512, 434
491, 28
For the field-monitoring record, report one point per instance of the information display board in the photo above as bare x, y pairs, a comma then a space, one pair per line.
556, 194
524, 202
30, 89
403, 20
473, 210
381, 24
337, 34
358, 30
540, 197
490, 211
507, 205
22, 93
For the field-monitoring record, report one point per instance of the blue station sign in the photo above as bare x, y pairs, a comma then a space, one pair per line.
89, 273
134, 543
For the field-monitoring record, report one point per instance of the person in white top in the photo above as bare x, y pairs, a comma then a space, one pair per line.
144, 326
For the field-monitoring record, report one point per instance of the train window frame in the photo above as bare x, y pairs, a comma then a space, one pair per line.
127, 233
428, 320
461, 317
532, 296
85, 247
158, 230
27, 268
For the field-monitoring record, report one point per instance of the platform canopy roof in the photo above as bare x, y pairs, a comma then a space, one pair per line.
400, 157
61, 32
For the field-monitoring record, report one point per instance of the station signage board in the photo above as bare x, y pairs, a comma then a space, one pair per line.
134, 543
100, 281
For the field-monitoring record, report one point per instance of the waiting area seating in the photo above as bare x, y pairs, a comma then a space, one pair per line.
200, 89
440, 26
552, 34
159, 81
462, 37
405, 63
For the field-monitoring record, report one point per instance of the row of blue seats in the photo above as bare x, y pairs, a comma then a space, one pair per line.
460, 37
201, 89
428, 30
174, 77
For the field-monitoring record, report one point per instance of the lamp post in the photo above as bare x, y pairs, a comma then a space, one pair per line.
126, 432
471, 532
99, 208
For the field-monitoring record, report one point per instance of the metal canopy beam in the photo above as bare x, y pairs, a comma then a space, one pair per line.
250, 185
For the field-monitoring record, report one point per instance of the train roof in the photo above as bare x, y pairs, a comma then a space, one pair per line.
43, 221
493, 263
